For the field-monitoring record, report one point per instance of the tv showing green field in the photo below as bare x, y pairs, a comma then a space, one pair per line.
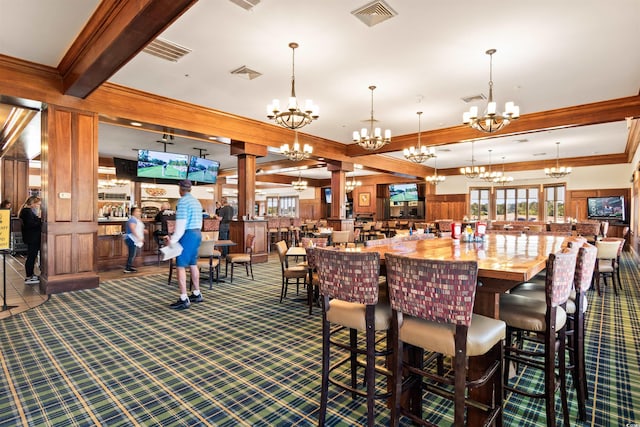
158, 164
203, 170
403, 192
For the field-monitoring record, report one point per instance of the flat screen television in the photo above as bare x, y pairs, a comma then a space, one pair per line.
203, 170
125, 168
403, 192
610, 207
159, 164
327, 195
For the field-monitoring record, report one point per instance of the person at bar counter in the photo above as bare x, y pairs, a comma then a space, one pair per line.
6, 204
188, 234
134, 237
31, 230
226, 215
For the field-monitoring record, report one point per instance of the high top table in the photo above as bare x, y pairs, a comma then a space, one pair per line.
503, 262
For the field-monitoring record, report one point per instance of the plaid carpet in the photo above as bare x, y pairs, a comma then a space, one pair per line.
118, 356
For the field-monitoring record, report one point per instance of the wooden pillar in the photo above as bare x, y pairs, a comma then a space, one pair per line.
69, 192
338, 180
247, 154
15, 182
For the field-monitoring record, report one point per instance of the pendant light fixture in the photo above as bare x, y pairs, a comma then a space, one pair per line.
419, 153
373, 139
293, 117
491, 121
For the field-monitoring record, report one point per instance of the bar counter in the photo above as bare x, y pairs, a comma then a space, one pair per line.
112, 250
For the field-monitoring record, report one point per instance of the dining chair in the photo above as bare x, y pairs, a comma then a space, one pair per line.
296, 272
590, 230
576, 309
432, 302
341, 238
606, 262
273, 231
617, 264
560, 227
541, 323
209, 260
350, 303
245, 258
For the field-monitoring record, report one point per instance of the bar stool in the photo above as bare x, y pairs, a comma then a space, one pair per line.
576, 308
349, 295
541, 322
432, 302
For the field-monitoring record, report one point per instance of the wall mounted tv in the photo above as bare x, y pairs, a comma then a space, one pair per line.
611, 207
327, 195
159, 164
203, 170
403, 192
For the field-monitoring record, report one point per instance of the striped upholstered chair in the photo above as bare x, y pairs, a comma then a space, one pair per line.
349, 295
542, 322
432, 302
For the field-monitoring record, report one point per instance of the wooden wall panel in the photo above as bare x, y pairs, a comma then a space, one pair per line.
84, 252
577, 201
448, 206
62, 174
15, 182
85, 147
62, 248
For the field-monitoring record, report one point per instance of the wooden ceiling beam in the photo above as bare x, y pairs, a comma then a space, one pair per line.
614, 110
116, 32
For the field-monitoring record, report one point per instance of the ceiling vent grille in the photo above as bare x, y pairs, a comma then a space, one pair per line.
166, 50
472, 98
245, 4
246, 73
374, 13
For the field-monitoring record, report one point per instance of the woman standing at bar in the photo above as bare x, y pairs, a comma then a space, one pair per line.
31, 230
134, 237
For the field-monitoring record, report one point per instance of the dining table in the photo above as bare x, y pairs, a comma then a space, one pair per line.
504, 260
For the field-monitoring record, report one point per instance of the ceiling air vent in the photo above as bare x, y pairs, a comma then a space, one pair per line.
246, 73
167, 50
472, 98
246, 4
374, 13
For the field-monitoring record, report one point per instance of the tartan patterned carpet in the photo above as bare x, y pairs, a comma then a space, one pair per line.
118, 356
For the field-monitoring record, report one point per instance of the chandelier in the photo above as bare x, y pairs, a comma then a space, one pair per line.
419, 153
490, 176
349, 186
472, 171
435, 179
293, 117
374, 139
558, 171
295, 153
491, 121
299, 185
502, 178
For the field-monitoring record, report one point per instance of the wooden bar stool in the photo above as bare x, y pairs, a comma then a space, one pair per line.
349, 294
432, 302
542, 323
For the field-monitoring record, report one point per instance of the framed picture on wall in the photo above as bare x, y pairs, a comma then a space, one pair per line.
364, 199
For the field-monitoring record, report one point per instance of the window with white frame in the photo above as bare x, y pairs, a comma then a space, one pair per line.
554, 203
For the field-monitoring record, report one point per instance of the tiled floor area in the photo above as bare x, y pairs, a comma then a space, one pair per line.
19, 296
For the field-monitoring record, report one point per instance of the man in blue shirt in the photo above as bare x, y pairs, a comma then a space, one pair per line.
187, 233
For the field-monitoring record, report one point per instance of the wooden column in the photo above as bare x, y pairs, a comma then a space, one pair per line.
15, 182
338, 180
247, 154
69, 192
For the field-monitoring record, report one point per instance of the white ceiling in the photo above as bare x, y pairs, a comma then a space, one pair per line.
550, 54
